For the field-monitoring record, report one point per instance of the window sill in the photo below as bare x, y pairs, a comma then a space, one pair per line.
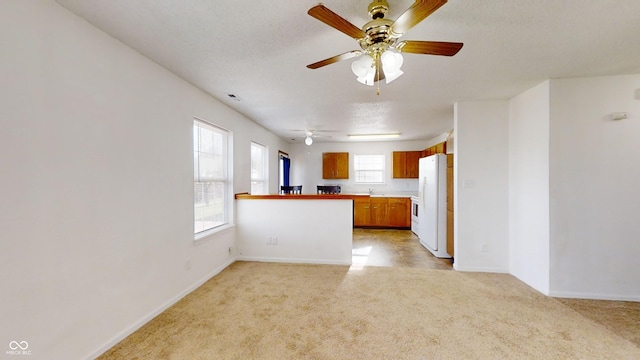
209, 234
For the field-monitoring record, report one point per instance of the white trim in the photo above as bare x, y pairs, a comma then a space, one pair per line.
293, 261
593, 296
480, 269
207, 234
138, 324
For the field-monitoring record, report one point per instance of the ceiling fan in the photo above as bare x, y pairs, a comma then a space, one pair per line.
379, 40
310, 134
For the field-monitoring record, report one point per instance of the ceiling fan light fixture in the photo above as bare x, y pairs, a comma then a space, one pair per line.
391, 61
391, 64
308, 141
379, 39
362, 66
368, 79
390, 76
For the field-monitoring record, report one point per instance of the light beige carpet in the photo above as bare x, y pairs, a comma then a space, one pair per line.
284, 311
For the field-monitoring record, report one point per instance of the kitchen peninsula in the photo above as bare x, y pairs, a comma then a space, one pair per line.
316, 229
310, 228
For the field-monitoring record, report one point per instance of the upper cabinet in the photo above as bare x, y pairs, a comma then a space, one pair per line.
405, 164
335, 165
440, 148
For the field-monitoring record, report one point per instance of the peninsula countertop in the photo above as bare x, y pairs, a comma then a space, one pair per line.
300, 196
343, 196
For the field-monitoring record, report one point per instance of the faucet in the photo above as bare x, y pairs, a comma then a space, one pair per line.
370, 191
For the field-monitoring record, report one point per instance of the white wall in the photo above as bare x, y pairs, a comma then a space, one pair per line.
295, 231
306, 165
481, 186
96, 218
529, 187
594, 196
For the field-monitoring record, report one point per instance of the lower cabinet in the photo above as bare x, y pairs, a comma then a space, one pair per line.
379, 211
400, 212
382, 212
361, 212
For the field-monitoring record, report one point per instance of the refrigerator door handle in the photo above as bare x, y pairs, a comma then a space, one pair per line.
423, 184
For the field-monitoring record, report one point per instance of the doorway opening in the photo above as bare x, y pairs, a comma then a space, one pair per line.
284, 169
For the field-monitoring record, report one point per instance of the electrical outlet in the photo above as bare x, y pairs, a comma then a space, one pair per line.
230, 250
187, 263
485, 248
274, 240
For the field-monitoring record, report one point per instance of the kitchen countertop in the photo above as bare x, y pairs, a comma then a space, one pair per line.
392, 195
301, 196
395, 195
341, 196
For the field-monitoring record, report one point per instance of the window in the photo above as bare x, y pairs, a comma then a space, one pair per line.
259, 169
210, 176
369, 169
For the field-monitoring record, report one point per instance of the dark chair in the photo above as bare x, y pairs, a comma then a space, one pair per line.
297, 189
329, 189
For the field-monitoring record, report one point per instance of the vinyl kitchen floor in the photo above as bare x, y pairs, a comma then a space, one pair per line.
393, 248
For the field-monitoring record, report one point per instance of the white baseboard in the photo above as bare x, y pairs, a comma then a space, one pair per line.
479, 269
294, 261
593, 296
138, 324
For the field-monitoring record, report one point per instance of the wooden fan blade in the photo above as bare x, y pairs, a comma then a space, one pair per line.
429, 47
334, 59
414, 14
337, 22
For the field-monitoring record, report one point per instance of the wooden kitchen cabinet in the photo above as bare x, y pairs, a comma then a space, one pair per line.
405, 164
400, 212
450, 233
450, 204
399, 164
382, 212
335, 165
379, 211
440, 148
413, 159
361, 212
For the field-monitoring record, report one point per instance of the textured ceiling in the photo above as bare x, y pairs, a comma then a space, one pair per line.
258, 50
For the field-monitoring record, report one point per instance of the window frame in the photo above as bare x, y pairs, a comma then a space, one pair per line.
263, 181
358, 171
223, 179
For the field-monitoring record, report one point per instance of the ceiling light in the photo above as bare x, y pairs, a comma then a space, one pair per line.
373, 136
364, 68
391, 64
308, 140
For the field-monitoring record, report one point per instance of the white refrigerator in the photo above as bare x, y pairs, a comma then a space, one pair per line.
432, 194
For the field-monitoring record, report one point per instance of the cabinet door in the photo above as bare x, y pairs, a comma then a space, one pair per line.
450, 189
450, 233
335, 165
328, 165
450, 204
379, 212
361, 212
399, 164
342, 165
413, 158
400, 212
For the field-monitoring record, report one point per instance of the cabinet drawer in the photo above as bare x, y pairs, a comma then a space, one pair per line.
379, 200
